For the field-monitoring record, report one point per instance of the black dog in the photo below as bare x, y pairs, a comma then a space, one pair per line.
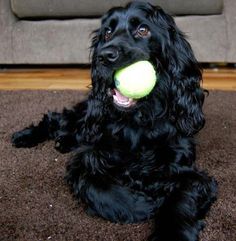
135, 159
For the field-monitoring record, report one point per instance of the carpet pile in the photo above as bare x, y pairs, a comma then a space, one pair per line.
35, 203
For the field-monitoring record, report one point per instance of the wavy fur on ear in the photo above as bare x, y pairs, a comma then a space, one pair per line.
97, 100
183, 75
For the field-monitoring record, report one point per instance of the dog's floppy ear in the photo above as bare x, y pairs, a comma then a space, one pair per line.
93, 56
97, 75
96, 103
184, 75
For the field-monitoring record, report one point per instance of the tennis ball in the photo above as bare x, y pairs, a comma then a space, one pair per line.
137, 80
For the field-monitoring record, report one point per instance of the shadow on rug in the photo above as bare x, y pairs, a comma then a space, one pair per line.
35, 203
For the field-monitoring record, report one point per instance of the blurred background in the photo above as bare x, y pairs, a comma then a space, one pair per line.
56, 33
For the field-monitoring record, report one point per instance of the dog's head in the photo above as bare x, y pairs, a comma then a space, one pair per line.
141, 31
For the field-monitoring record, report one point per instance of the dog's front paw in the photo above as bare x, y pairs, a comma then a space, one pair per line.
23, 138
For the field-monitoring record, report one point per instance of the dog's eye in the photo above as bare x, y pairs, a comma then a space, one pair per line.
143, 31
108, 34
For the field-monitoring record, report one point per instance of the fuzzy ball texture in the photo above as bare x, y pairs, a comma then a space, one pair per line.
137, 80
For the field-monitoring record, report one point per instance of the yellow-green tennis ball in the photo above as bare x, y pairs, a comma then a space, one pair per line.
137, 80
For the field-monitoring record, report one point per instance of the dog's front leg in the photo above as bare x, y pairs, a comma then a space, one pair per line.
60, 127
35, 134
181, 216
86, 174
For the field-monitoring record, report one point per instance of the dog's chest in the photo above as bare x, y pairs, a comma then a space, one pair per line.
128, 148
124, 135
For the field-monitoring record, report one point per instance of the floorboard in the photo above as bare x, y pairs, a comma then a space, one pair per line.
72, 78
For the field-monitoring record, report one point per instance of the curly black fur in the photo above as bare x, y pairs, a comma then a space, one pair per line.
133, 164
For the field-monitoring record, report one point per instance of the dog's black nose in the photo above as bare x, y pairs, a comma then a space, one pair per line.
108, 55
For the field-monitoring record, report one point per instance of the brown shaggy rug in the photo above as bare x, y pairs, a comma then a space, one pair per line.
35, 203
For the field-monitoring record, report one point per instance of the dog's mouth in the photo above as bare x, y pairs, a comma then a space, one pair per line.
121, 100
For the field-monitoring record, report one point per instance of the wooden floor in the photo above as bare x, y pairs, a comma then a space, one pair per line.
72, 78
